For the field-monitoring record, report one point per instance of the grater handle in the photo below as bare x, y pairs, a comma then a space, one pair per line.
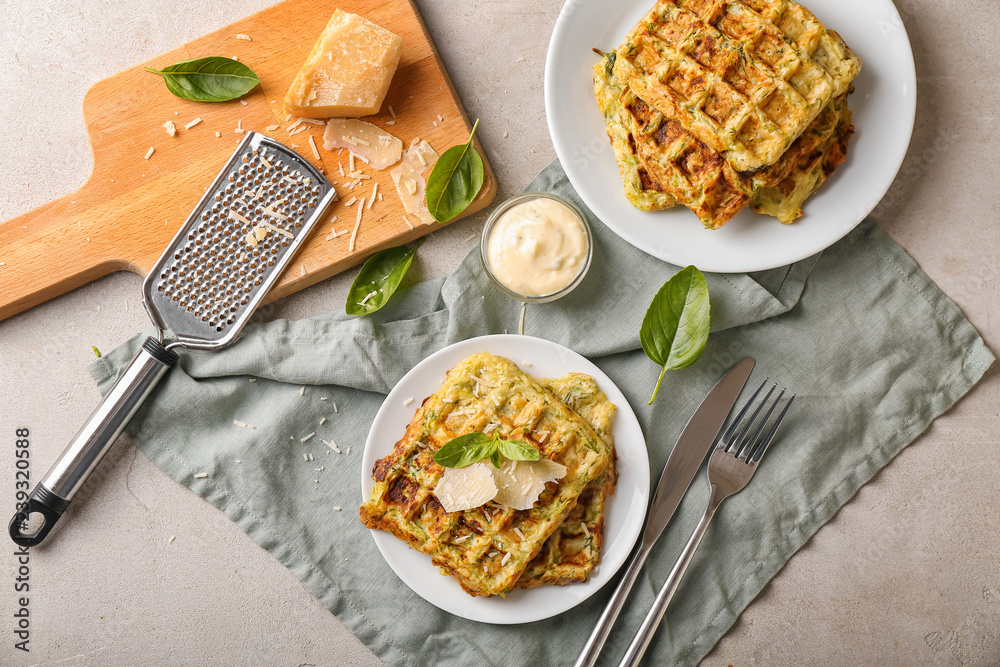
52, 495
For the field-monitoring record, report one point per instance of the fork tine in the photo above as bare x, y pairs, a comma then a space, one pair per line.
727, 436
752, 442
737, 448
770, 434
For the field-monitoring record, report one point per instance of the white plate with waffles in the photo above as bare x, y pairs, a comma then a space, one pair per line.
626, 508
883, 104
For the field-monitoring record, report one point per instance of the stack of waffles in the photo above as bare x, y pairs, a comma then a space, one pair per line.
717, 105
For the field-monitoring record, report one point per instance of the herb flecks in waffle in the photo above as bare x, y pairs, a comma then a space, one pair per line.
745, 78
486, 548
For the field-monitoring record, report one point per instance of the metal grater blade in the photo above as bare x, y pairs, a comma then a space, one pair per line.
233, 247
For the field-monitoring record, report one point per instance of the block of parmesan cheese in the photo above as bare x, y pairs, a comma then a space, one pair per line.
347, 74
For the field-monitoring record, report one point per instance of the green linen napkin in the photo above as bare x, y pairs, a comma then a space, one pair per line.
872, 348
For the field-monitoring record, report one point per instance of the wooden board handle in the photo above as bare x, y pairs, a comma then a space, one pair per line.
47, 252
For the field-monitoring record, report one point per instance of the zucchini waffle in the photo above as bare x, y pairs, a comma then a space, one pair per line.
573, 551
674, 163
745, 78
486, 548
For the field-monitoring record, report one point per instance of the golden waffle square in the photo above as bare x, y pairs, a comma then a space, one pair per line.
642, 190
806, 165
573, 551
486, 548
746, 78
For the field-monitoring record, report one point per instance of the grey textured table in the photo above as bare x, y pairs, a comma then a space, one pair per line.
907, 573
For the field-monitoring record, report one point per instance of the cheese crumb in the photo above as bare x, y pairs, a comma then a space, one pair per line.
242, 36
357, 224
170, 128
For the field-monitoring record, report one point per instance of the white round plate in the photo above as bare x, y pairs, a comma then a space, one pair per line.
626, 508
884, 105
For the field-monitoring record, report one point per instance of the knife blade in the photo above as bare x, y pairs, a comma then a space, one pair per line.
693, 444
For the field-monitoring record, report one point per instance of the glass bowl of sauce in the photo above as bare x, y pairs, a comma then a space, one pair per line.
536, 247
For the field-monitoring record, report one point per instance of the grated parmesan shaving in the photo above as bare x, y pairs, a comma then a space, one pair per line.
517, 531
391, 112
586, 532
272, 128
201, 475
357, 224
312, 144
243, 37
307, 437
149, 153
371, 200
192, 123
503, 561
459, 540
233, 215
239, 423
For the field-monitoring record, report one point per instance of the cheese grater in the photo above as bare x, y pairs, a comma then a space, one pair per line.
217, 269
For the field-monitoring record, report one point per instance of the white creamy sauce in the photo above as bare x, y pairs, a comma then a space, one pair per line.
537, 247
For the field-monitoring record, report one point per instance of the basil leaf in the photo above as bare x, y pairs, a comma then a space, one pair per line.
212, 79
495, 458
465, 450
675, 328
455, 180
516, 450
379, 278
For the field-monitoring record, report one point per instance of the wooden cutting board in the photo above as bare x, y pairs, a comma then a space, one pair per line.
128, 210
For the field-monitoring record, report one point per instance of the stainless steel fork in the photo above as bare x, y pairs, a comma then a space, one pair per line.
730, 467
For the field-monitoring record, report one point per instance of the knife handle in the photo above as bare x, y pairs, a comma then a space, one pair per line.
592, 649
52, 495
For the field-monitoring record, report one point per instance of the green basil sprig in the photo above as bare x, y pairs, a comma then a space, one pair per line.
675, 329
471, 447
455, 180
379, 277
212, 79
